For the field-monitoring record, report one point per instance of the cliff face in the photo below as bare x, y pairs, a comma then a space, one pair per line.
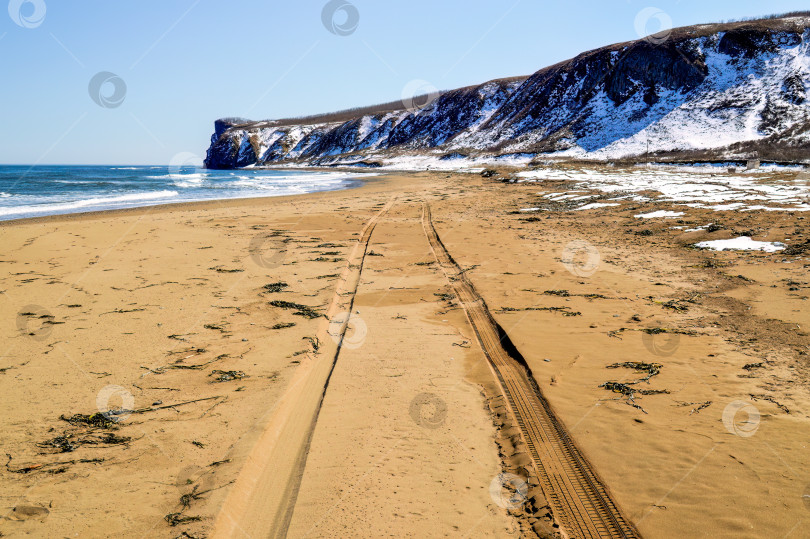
704, 87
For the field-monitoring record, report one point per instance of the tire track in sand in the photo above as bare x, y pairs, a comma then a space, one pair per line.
579, 500
261, 501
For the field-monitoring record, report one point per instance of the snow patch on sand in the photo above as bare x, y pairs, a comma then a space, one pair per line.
743, 243
659, 214
696, 187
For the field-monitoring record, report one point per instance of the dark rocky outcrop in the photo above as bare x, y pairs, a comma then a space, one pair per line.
608, 102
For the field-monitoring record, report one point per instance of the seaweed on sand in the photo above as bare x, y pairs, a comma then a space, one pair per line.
565, 311
628, 389
275, 287
652, 369
96, 420
283, 325
300, 310
67, 442
220, 269
215, 327
674, 305
50, 467
560, 293
227, 376
176, 519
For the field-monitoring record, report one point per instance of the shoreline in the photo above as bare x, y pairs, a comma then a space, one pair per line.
352, 184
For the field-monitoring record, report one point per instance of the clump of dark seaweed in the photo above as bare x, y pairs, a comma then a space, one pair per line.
652, 369
675, 305
96, 420
227, 376
220, 269
283, 325
275, 287
560, 293
176, 519
300, 310
628, 389
67, 443
49, 467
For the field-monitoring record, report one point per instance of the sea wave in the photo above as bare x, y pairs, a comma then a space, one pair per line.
187, 180
85, 182
63, 190
179, 176
291, 182
97, 202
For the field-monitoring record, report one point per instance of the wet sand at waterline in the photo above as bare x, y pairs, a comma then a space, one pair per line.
211, 330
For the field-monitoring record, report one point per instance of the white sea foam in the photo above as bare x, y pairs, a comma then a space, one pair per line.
131, 199
112, 188
188, 181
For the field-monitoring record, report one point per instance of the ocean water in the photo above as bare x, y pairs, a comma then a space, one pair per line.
27, 191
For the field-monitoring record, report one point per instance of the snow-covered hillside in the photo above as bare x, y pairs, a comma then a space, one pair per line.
739, 87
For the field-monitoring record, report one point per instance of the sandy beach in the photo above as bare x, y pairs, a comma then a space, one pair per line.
303, 365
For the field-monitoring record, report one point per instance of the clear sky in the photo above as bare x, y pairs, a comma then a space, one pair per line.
173, 67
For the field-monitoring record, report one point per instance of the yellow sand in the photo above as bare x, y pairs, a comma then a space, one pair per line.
136, 294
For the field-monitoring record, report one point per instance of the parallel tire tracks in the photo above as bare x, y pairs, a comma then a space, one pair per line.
579, 500
262, 500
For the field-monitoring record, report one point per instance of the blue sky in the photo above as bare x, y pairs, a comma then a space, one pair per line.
180, 64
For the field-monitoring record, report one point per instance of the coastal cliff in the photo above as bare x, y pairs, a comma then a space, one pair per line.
718, 91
